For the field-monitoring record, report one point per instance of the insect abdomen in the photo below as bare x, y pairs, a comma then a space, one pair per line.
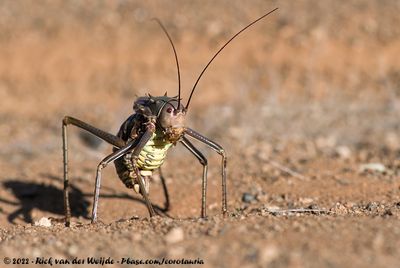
153, 154
151, 157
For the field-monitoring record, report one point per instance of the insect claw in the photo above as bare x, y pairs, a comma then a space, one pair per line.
165, 94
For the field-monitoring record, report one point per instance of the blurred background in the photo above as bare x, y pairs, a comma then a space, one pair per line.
315, 87
91, 59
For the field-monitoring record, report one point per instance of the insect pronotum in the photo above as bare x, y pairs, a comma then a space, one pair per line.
143, 140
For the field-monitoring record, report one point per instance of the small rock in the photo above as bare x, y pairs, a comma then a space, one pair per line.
212, 206
175, 235
339, 209
377, 167
262, 197
387, 213
268, 210
372, 206
306, 200
248, 198
269, 253
271, 208
73, 250
45, 222
392, 141
343, 152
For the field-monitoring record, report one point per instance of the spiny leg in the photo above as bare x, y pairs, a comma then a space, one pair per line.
114, 140
150, 128
217, 148
115, 155
165, 189
144, 192
203, 161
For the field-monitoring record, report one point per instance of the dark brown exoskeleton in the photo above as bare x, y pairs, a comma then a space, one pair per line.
144, 139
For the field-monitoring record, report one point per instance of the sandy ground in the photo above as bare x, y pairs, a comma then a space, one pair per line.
306, 104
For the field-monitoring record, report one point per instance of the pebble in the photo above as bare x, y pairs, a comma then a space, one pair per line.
306, 200
175, 235
339, 209
269, 253
272, 208
378, 167
73, 250
372, 206
44, 222
343, 152
248, 198
392, 141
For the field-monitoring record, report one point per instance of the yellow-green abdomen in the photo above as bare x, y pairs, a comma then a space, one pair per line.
153, 153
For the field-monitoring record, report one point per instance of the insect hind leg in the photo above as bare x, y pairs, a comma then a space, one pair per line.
114, 140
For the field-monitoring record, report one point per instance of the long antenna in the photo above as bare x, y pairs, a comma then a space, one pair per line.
176, 59
216, 54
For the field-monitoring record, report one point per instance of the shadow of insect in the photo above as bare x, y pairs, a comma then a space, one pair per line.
32, 195
48, 198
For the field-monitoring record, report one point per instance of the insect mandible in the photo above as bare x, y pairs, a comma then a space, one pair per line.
144, 138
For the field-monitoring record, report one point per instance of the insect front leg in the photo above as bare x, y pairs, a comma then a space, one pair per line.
114, 156
112, 139
150, 129
203, 161
217, 148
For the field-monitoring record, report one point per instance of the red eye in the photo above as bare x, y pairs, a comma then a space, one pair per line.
169, 110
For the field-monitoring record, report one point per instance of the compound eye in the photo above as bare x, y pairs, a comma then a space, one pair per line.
169, 110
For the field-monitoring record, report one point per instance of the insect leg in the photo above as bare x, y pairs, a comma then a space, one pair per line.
114, 140
217, 148
114, 156
203, 161
110, 138
165, 189
150, 128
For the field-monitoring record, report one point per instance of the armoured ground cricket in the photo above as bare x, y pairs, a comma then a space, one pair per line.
143, 140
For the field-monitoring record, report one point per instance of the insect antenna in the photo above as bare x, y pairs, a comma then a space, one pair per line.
176, 59
216, 54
